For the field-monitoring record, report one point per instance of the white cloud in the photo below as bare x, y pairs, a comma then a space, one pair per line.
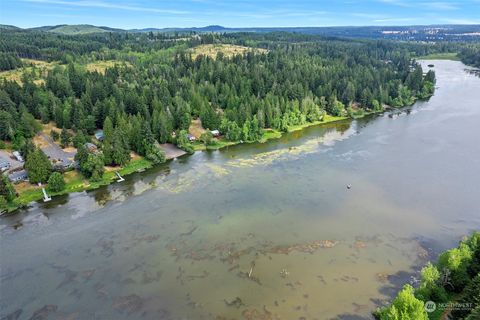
107, 5
434, 5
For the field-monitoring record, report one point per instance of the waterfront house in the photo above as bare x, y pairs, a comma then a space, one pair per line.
215, 133
18, 176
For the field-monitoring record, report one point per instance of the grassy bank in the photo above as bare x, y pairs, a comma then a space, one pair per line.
440, 56
75, 182
326, 119
268, 134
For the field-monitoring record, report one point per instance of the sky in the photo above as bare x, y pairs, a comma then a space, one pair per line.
130, 14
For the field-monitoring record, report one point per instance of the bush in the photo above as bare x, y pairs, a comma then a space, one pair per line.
429, 287
3, 203
55, 135
155, 154
183, 143
56, 183
207, 138
456, 261
404, 307
6, 189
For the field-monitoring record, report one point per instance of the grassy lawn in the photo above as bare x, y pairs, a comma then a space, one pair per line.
131, 167
326, 119
440, 56
269, 134
219, 144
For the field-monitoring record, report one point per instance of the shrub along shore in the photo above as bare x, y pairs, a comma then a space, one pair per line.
451, 286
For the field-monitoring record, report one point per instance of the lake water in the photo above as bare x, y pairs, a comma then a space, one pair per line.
262, 231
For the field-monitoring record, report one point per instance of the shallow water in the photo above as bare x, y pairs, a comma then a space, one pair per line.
260, 231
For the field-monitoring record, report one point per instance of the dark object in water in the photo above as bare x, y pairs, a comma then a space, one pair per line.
189, 232
237, 302
349, 186
431, 65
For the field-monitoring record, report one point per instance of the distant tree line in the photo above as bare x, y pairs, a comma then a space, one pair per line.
471, 55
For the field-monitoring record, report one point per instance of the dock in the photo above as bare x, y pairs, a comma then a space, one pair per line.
46, 198
120, 178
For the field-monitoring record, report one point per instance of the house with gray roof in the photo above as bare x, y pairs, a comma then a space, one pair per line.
18, 176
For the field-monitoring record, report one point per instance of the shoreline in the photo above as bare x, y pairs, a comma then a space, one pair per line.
76, 183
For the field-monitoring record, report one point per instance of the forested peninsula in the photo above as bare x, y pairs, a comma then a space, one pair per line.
112, 103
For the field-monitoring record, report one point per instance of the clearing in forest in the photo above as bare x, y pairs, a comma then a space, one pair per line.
196, 129
41, 67
102, 65
228, 50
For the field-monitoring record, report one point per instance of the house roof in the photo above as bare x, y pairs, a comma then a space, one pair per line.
90, 145
22, 174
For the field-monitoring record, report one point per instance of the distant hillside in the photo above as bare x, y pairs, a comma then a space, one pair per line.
201, 29
75, 29
404, 33
8, 27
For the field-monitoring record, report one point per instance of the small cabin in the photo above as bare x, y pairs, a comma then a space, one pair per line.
18, 156
99, 135
91, 147
18, 176
215, 133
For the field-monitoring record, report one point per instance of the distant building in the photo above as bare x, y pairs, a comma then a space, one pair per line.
191, 137
99, 135
4, 164
18, 176
18, 156
91, 147
215, 133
